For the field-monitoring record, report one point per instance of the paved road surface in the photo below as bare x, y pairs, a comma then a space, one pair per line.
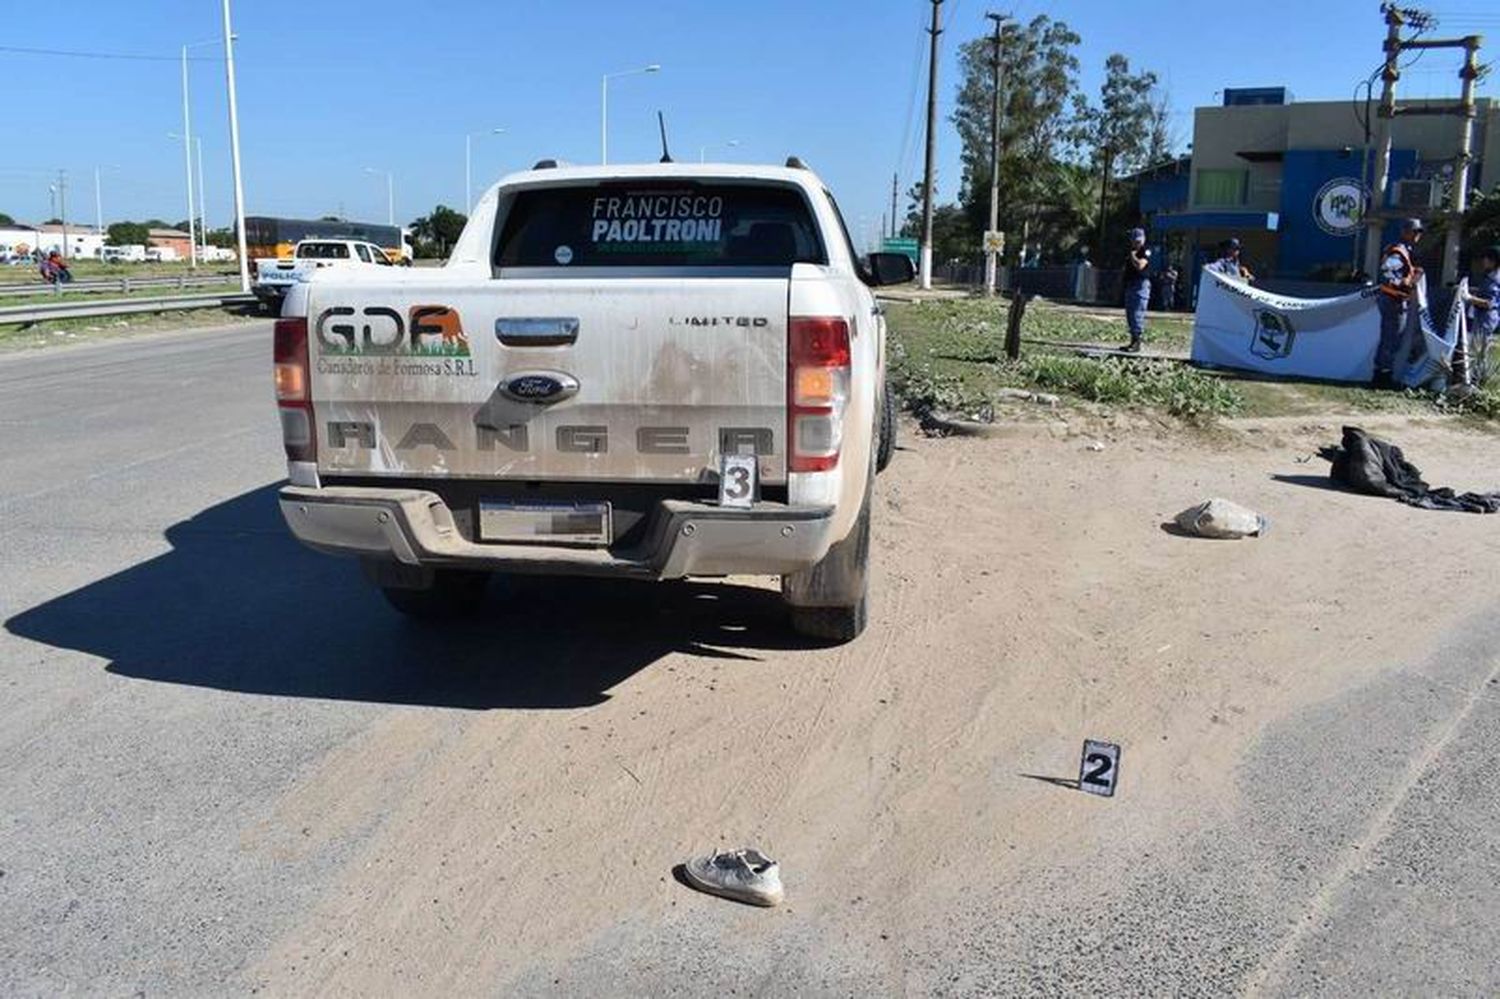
227, 767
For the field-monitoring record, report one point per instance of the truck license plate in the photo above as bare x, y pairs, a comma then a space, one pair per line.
545, 523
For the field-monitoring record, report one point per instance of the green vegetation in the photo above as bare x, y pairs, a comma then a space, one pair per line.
434, 234
1060, 148
128, 234
948, 355
94, 270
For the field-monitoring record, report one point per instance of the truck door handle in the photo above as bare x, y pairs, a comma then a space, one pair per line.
532, 331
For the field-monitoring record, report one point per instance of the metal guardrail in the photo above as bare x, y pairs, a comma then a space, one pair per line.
124, 285
27, 314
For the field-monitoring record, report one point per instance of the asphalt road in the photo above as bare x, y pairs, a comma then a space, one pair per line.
174, 672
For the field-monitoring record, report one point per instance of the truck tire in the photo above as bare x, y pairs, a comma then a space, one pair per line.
842, 578
452, 594
886, 448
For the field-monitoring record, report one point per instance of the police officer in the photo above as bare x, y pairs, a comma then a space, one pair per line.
1229, 263
1484, 314
1398, 283
1137, 288
1168, 288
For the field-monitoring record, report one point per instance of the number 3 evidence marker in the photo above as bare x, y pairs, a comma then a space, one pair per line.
737, 480
1100, 768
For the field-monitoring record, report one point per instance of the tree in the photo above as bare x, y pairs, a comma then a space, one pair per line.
1120, 136
6, 219
433, 235
221, 237
53, 221
1039, 81
1482, 222
1126, 124
128, 234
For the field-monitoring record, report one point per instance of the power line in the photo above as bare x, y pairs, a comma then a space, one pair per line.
74, 54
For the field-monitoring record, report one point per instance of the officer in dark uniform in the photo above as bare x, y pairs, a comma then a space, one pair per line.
1137, 287
1399, 275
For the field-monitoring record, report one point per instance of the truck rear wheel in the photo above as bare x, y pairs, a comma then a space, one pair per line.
841, 578
452, 594
886, 447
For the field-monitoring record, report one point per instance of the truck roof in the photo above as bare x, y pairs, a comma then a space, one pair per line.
693, 171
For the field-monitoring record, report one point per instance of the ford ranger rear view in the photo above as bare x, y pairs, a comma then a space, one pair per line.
644, 372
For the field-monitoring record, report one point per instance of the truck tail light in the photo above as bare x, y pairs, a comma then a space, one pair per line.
294, 390
817, 389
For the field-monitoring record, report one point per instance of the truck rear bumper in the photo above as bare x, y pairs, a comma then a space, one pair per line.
414, 527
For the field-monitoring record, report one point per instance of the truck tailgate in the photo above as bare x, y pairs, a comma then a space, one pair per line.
577, 378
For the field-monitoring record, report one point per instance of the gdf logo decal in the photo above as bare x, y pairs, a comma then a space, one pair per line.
376, 329
1339, 206
1273, 337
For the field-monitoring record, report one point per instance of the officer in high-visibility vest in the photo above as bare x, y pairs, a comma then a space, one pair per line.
1399, 275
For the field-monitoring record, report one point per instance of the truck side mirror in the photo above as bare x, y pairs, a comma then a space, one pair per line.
889, 268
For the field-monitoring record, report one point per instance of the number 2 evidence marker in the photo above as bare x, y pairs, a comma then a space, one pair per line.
1100, 768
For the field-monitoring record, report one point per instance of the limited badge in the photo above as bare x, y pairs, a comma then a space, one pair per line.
1100, 768
737, 480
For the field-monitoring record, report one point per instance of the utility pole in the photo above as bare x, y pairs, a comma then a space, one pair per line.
932, 75
894, 179
1395, 19
1103, 196
1374, 215
1468, 74
98, 205
990, 260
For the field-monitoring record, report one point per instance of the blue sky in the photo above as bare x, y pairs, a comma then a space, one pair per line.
330, 88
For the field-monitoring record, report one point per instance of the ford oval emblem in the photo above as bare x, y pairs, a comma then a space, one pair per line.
539, 386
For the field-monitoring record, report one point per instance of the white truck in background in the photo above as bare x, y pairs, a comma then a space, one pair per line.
645, 372
274, 276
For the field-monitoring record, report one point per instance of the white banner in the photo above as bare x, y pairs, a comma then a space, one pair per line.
1238, 326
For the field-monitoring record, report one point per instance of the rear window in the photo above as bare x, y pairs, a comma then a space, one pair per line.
665, 224
323, 251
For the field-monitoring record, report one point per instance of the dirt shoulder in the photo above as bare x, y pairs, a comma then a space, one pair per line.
1025, 597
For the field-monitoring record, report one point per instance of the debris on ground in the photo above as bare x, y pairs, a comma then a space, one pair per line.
939, 423
1222, 518
744, 875
1026, 395
1096, 445
1369, 465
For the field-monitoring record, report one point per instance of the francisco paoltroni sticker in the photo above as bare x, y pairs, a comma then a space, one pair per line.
737, 480
1100, 768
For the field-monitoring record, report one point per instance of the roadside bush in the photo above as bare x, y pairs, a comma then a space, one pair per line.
1182, 391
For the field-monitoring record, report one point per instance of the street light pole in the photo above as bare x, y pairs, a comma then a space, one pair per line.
390, 193
703, 150
187, 158
468, 167
98, 205
604, 105
234, 153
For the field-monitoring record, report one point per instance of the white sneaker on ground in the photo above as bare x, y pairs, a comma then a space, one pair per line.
743, 875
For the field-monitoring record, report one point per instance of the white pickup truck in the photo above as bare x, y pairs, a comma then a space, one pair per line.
646, 372
274, 276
